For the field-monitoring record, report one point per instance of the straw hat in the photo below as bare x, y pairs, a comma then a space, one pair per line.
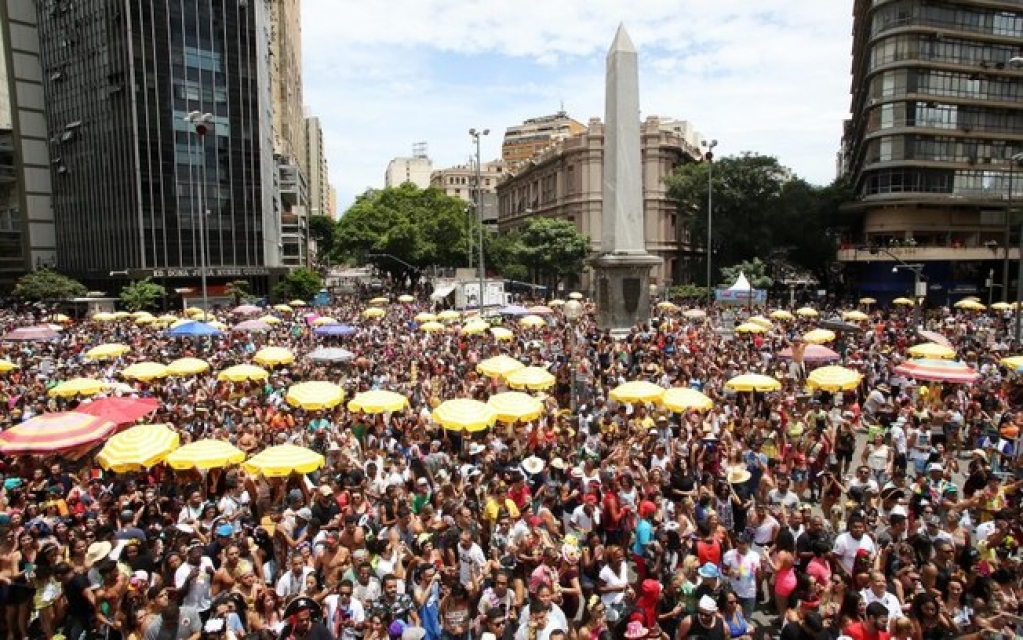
97, 551
738, 475
532, 465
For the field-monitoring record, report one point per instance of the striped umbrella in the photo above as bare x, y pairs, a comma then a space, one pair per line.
283, 460
315, 395
953, 371
205, 454
187, 367
78, 387
30, 334
932, 351
54, 432
378, 401
138, 448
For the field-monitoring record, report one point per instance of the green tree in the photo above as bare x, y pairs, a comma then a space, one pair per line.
755, 271
45, 284
323, 230
687, 292
238, 290
504, 253
403, 230
554, 248
760, 210
142, 294
300, 283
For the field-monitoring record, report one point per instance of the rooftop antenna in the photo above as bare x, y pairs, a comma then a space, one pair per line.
419, 150
561, 111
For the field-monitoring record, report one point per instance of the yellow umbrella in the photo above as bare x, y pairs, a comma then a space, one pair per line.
269, 319
530, 378
193, 312
834, 378
762, 321
425, 317
905, 302
78, 387
167, 317
932, 350
500, 333
448, 315
974, 298
283, 308
818, 336
145, 371
121, 315
380, 300
970, 305
753, 382
139, 314
855, 316
868, 301
297, 303
322, 320
59, 317
145, 320
405, 299
1012, 362
750, 327
665, 305
138, 448
103, 316
464, 414
682, 399
315, 395
430, 327
378, 401
1001, 306
243, 372
781, 314
515, 406
806, 312
499, 366
273, 356
6, 365
637, 391
107, 351
532, 321
694, 314
473, 328
205, 454
374, 312
187, 367
283, 460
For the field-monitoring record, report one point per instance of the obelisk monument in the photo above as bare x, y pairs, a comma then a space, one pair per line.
623, 268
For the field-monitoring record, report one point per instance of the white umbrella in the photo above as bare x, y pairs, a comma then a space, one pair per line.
331, 354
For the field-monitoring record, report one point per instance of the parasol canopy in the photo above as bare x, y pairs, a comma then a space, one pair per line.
474, 327
204, 454
379, 300
270, 320
1012, 363
315, 395
246, 310
406, 298
283, 308
30, 334
500, 333
532, 321
530, 378
1001, 306
425, 316
970, 305
331, 354
812, 353
637, 391
515, 406
145, 371
78, 387
855, 316
6, 365
750, 327
378, 401
666, 305
806, 312
120, 410
818, 336
834, 378
252, 326
932, 350
448, 315
499, 366
540, 310
297, 303
193, 328
939, 371
373, 312
138, 448
243, 372
273, 356
324, 320
464, 414
935, 337
107, 351
187, 367
753, 382
54, 432
575, 295
283, 460
335, 329
904, 302
781, 314
682, 399
868, 301
762, 321
430, 327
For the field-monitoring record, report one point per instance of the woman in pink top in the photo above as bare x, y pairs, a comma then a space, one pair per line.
818, 566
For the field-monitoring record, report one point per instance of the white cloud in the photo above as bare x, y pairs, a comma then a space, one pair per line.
770, 76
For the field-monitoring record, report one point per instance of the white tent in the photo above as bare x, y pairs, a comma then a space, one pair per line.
741, 284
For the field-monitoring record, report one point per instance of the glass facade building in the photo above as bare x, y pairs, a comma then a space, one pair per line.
132, 178
936, 118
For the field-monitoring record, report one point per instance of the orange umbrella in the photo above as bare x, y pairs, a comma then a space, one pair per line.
54, 432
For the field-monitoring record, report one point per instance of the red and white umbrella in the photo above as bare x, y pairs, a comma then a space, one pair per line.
31, 334
934, 336
938, 371
54, 432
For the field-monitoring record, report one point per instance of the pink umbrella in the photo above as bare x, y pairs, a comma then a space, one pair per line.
30, 334
251, 325
939, 370
812, 353
934, 336
54, 432
246, 310
120, 410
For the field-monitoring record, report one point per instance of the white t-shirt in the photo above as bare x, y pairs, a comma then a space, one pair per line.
469, 560
198, 595
898, 437
846, 548
354, 611
742, 572
612, 579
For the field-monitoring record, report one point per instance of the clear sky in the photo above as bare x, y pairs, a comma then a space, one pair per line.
769, 76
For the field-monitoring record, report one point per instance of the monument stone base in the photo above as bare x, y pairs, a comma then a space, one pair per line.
623, 289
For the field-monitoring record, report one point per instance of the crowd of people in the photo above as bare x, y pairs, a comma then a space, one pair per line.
890, 510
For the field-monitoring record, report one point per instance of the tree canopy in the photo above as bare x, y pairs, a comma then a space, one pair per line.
323, 230
45, 284
760, 210
300, 283
755, 271
142, 294
403, 230
554, 248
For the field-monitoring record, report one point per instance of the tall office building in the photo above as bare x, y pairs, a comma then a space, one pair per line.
523, 141
936, 118
131, 177
26, 214
415, 169
316, 161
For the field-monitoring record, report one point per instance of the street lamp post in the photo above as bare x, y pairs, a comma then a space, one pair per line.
709, 156
202, 123
479, 212
573, 310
